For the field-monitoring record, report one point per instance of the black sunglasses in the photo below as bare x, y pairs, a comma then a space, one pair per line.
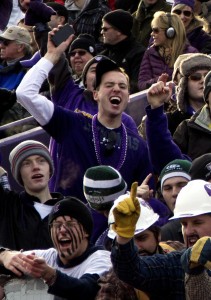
157, 30
104, 29
186, 13
79, 52
5, 42
197, 76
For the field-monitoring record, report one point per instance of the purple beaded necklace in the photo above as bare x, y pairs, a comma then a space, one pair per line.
97, 143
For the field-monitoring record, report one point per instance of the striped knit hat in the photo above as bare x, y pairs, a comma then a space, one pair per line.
102, 185
176, 168
24, 150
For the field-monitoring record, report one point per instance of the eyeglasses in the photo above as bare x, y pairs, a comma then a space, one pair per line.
104, 29
197, 76
6, 42
68, 224
157, 30
186, 13
79, 52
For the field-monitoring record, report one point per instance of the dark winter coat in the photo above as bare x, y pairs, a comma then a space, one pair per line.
176, 117
127, 54
193, 136
5, 12
90, 19
142, 19
153, 65
200, 40
21, 226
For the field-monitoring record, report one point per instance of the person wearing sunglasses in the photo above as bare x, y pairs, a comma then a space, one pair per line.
193, 135
68, 94
121, 46
15, 45
81, 50
189, 78
196, 27
168, 42
162, 147
111, 94
143, 17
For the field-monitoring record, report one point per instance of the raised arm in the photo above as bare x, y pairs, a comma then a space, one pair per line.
28, 91
162, 148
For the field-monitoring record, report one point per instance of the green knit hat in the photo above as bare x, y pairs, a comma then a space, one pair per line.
176, 168
102, 185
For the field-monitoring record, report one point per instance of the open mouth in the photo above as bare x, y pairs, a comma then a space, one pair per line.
115, 100
37, 176
192, 240
65, 242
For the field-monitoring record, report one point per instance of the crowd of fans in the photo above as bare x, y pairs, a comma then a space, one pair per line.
109, 209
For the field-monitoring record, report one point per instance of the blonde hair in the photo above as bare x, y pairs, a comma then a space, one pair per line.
177, 43
196, 19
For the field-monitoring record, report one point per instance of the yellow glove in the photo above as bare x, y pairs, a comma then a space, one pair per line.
201, 253
126, 214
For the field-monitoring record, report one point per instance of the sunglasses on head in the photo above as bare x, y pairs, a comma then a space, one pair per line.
197, 76
186, 13
79, 52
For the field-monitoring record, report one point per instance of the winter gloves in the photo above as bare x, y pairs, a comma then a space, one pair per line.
198, 256
126, 214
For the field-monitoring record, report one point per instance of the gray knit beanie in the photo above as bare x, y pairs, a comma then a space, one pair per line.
196, 61
24, 150
102, 185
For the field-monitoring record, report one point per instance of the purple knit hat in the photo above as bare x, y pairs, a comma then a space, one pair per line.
189, 3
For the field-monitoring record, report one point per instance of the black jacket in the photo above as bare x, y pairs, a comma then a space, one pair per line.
21, 226
127, 54
193, 135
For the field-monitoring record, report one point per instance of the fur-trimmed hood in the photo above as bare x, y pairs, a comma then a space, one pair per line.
195, 62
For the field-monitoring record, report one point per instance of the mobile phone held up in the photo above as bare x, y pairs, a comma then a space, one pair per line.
62, 34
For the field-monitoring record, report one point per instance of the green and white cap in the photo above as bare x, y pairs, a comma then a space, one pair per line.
102, 185
175, 168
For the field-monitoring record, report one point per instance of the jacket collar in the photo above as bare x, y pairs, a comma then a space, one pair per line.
29, 199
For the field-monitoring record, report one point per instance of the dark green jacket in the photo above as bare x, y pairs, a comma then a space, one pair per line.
142, 19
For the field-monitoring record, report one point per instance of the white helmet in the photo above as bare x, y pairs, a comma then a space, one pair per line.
194, 199
147, 217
